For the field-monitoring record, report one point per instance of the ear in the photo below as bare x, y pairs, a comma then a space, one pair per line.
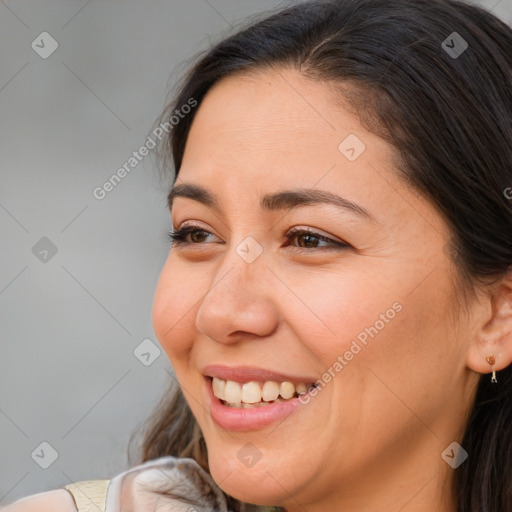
493, 335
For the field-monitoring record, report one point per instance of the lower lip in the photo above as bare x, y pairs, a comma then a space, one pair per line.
254, 418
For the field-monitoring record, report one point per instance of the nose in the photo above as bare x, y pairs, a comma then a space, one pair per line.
238, 304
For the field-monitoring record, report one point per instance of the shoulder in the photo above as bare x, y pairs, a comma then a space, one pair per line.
57, 500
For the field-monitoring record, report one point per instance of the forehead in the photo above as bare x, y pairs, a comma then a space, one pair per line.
276, 124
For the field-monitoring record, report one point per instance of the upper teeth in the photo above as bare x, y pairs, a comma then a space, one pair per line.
254, 392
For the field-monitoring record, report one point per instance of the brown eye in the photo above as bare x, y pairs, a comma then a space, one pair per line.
188, 235
307, 239
197, 236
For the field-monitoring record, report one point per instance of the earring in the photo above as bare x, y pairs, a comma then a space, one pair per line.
492, 361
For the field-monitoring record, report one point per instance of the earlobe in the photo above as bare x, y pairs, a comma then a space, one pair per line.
491, 349
488, 359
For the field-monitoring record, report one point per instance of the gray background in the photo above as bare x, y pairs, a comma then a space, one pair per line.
70, 323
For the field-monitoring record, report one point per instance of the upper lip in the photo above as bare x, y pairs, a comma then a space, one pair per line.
251, 373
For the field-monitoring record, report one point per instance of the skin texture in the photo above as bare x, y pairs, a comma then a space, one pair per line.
57, 500
373, 436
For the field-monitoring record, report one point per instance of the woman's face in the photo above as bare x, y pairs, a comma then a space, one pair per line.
369, 316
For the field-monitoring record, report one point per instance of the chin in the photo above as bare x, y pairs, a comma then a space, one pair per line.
254, 484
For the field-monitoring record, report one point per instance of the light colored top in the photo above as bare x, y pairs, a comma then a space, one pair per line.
89, 495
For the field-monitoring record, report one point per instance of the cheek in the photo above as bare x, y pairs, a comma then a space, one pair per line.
405, 367
329, 309
376, 325
174, 306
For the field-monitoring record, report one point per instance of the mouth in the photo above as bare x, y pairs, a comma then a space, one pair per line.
256, 393
245, 399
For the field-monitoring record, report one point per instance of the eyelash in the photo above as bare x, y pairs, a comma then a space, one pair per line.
178, 237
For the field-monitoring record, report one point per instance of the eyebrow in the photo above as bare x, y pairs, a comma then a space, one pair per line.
271, 202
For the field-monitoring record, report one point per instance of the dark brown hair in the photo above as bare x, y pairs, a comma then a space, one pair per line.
449, 117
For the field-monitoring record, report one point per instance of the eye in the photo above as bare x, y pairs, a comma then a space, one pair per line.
307, 238
180, 236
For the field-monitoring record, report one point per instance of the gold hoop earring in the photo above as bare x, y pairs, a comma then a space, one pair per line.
492, 361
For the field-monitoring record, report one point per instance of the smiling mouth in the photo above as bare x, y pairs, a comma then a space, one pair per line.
256, 393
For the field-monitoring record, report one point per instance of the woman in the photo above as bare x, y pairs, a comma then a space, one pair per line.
337, 303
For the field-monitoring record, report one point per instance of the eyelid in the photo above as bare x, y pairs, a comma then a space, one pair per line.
185, 224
